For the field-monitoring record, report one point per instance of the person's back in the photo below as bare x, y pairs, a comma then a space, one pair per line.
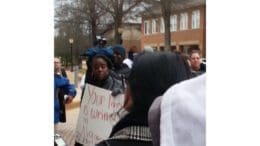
183, 114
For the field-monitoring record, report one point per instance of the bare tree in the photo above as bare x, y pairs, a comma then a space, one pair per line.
69, 24
118, 9
166, 13
92, 13
79, 19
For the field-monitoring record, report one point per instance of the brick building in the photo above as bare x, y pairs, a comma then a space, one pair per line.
188, 28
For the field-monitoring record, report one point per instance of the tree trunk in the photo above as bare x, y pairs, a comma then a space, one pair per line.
117, 34
167, 34
166, 11
93, 31
93, 22
118, 7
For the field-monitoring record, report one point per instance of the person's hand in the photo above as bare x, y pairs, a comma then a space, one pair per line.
69, 99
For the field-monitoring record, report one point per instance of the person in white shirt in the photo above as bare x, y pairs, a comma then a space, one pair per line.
178, 117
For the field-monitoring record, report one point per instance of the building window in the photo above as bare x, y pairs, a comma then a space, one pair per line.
162, 25
146, 27
173, 21
154, 25
184, 21
195, 19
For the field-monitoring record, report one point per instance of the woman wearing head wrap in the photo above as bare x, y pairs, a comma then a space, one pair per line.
102, 78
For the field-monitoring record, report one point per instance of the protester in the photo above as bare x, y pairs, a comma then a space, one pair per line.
121, 70
102, 78
152, 74
99, 48
195, 63
119, 56
182, 120
61, 83
101, 74
58, 69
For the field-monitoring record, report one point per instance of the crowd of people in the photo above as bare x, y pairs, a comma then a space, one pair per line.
164, 94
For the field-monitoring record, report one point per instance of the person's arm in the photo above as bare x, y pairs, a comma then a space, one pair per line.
70, 90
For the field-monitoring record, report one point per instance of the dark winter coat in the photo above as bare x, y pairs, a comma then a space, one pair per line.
132, 130
121, 73
122, 69
110, 83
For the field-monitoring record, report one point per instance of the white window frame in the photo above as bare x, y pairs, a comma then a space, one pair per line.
154, 26
195, 19
183, 21
162, 30
146, 27
173, 21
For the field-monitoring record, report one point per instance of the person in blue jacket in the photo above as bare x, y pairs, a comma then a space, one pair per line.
62, 83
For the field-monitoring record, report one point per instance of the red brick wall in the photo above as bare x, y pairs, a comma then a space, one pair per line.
133, 45
197, 35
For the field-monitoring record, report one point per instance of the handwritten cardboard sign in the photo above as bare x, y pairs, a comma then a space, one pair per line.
97, 115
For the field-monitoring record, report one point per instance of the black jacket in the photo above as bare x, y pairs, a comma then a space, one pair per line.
121, 73
132, 130
115, 142
121, 69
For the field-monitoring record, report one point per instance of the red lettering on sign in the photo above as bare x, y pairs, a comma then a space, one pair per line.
114, 104
94, 98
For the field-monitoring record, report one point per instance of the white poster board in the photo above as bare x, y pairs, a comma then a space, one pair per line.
97, 115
